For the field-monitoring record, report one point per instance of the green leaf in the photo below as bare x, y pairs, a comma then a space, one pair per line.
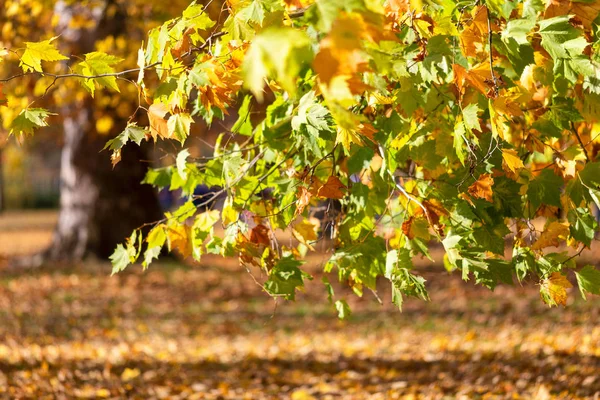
120, 259
471, 118
98, 63
181, 162
343, 309
243, 125
278, 53
284, 278
588, 280
156, 240
132, 133
179, 126
36, 52
28, 120
545, 189
582, 225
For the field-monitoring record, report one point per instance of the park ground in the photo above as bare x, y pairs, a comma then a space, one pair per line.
208, 332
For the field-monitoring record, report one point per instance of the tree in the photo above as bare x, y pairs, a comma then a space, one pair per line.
96, 212
465, 123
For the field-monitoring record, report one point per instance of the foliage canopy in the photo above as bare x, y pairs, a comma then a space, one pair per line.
461, 122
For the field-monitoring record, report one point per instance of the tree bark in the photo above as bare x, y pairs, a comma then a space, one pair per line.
99, 206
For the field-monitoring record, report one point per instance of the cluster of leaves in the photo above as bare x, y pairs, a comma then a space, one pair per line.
462, 122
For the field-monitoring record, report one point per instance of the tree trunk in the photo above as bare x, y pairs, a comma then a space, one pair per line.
99, 206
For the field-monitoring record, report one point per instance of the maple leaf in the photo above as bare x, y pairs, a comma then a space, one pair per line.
178, 126
552, 235
132, 133
260, 235
482, 188
553, 289
473, 38
511, 160
36, 52
98, 63
479, 77
434, 210
306, 231
158, 123
28, 120
332, 188
304, 196
585, 11
179, 237
567, 168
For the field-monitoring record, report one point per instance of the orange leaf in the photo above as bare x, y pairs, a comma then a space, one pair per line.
434, 210
3, 100
158, 123
260, 235
474, 36
482, 188
406, 227
332, 189
479, 77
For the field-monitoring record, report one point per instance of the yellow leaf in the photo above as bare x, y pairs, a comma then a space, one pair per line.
129, 374
347, 136
511, 160
306, 231
332, 188
552, 235
482, 188
554, 289
179, 237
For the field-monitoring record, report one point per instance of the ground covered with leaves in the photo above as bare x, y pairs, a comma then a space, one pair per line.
208, 331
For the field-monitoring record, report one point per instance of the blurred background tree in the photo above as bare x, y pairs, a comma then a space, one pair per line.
95, 213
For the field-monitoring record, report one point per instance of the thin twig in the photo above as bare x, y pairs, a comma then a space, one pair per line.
587, 157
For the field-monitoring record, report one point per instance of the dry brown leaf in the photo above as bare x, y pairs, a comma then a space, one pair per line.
260, 235
332, 188
304, 197
482, 188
